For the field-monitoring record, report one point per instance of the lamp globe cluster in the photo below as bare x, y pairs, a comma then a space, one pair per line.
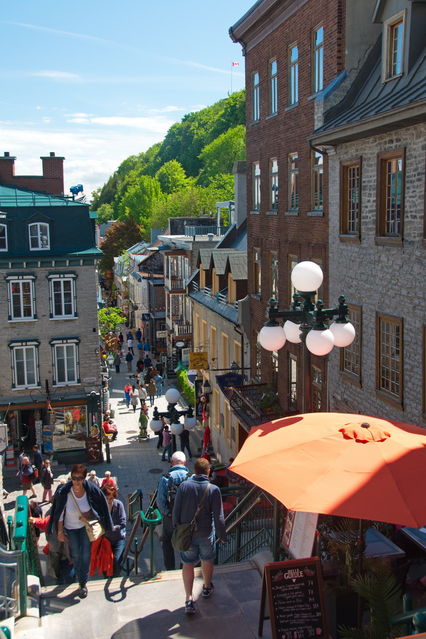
303, 321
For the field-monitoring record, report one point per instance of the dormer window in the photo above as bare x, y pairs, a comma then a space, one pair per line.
39, 236
393, 57
3, 237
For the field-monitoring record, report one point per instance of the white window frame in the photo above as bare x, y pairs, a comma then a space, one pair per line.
39, 225
256, 96
293, 181
273, 87
66, 277
28, 346
273, 177
293, 76
5, 248
65, 344
257, 200
387, 46
19, 279
317, 61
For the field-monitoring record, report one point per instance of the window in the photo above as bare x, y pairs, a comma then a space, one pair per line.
350, 356
292, 382
389, 356
225, 351
393, 42
316, 390
256, 186
391, 194
3, 237
256, 97
65, 361
350, 222
317, 181
275, 367
293, 83
257, 359
274, 274
273, 167
24, 363
213, 346
237, 354
273, 87
39, 236
293, 181
318, 59
21, 298
62, 296
257, 271
292, 261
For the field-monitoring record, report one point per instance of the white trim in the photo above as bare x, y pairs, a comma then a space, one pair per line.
64, 344
61, 279
387, 27
39, 225
5, 237
18, 281
25, 347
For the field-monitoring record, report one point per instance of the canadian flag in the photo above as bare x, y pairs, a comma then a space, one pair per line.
235, 64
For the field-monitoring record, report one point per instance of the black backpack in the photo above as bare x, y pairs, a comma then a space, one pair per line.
172, 489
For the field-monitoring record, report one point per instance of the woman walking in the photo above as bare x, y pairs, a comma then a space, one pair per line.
117, 536
26, 476
73, 502
167, 443
117, 362
151, 390
46, 481
134, 397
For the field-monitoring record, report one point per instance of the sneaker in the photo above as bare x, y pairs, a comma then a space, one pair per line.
189, 608
82, 593
207, 591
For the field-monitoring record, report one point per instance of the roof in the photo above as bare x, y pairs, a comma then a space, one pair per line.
383, 105
238, 266
219, 258
12, 196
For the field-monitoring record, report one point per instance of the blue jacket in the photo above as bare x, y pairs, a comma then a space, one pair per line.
178, 474
118, 516
96, 500
210, 518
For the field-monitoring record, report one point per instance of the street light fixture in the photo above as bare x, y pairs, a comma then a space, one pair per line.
306, 322
173, 416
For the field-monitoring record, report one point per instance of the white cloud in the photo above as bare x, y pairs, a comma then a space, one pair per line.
55, 75
157, 124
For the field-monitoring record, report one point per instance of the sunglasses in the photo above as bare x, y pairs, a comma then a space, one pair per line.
77, 478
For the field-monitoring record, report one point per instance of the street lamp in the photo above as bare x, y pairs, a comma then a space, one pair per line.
306, 322
173, 415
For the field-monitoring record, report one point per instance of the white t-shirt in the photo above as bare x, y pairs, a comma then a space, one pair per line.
70, 515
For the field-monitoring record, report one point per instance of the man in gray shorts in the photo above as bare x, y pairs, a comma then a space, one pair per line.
210, 523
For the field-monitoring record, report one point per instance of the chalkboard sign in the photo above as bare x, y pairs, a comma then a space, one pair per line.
295, 597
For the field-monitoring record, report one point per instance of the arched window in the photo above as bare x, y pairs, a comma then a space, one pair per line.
39, 236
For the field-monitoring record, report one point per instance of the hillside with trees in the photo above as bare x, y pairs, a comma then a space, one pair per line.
183, 175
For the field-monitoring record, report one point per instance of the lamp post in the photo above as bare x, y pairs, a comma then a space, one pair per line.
306, 322
173, 416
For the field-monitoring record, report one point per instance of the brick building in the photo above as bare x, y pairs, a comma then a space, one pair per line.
51, 181
295, 58
375, 139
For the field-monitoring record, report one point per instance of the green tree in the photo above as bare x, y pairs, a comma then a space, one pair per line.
120, 236
171, 177
139, 199
220, 155
109, 318
105, 213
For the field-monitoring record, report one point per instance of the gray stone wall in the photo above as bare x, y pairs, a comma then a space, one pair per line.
85, 327
385, 279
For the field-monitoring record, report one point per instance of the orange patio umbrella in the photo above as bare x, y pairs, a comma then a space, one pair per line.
340, 464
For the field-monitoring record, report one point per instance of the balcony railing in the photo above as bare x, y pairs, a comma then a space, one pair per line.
174, 283
182, 328
221, 296
247, 402
205, 230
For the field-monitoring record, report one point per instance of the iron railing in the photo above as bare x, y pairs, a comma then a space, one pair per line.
205, 230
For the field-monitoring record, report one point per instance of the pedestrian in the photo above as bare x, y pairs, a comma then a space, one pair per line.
127, 390
147, 361
70, 503
94, 478
151, 390
196, 493
129, 360
117, 536
130, 345
166, 494
167, 443
129, 335
26, 476
158, 384
138, 335
121, 339
160, 434
134, 398
46, 478
146, 347
117, 362
110, 428
108, 480
142, 393
139, 365
37, 462
184, 442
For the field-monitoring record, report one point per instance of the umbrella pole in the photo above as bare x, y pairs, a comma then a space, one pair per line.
361, 542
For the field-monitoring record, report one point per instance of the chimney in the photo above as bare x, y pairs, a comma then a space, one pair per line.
53, 167
7, 167
240, 191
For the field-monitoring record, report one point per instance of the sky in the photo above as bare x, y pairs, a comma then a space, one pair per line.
99, 80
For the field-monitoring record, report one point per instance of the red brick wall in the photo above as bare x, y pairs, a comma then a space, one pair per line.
303, 236
52, 180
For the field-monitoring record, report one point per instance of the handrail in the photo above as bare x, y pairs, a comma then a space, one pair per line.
242, 516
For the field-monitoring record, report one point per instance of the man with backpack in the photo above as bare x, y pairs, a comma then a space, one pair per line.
167, 488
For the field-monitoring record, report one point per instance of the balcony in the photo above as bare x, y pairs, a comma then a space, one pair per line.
250, 403
221, 296
197, 231
175, 283
182, 328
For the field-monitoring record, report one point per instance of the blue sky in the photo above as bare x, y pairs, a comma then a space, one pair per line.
97, 80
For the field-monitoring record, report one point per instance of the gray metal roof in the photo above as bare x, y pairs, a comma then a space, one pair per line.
370, 99
238, 265
224, 310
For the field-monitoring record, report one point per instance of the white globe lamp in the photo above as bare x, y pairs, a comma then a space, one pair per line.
176, 428
190, 422
306, 276
343, 333
292, 332
172, 395
271, 338
155, 425
320, 342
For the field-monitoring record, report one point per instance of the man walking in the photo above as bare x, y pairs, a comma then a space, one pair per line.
198, 493
167, 488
